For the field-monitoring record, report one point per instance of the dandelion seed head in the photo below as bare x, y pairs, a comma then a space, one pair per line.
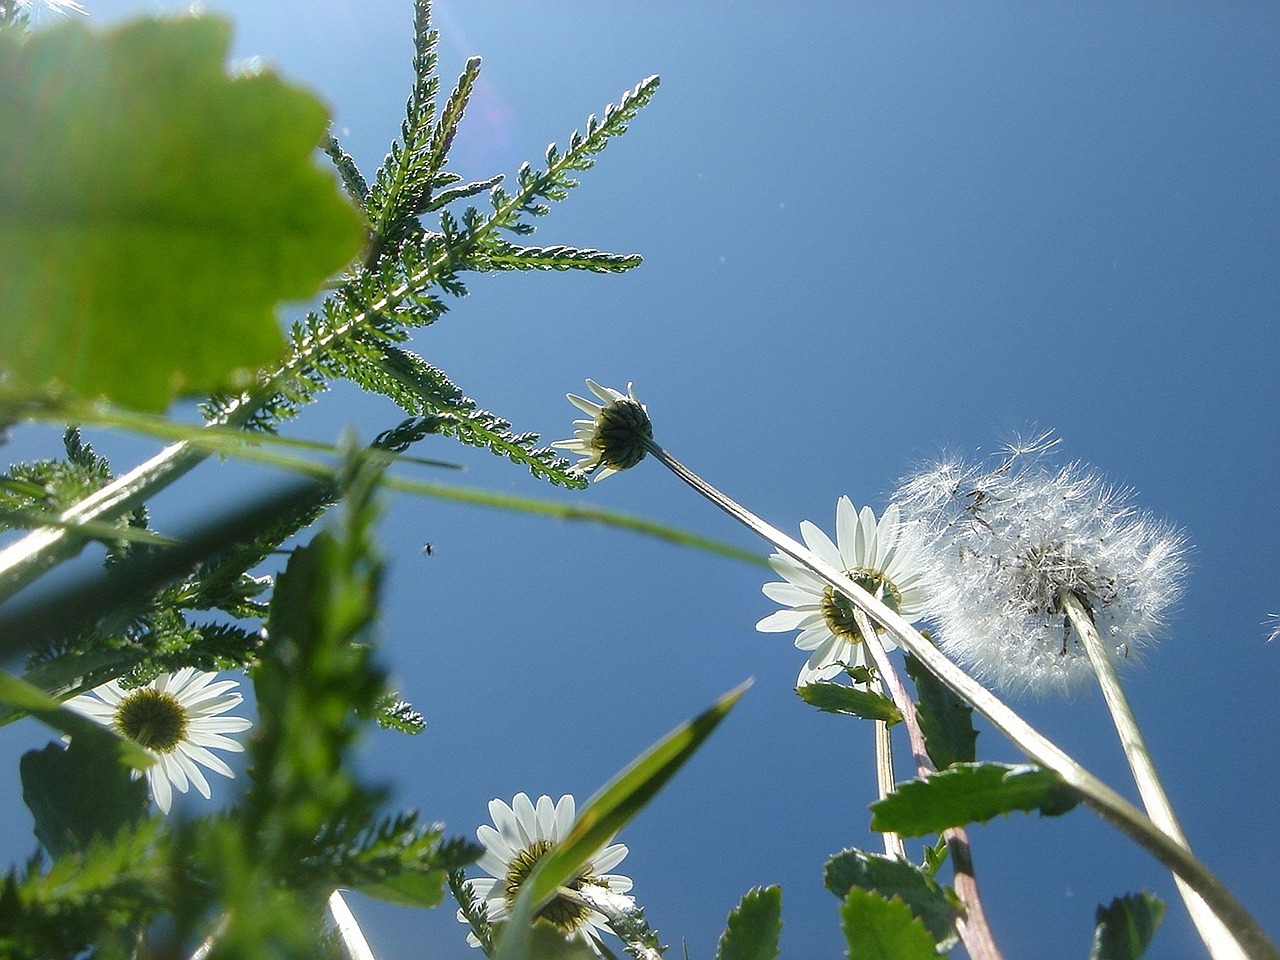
1000, 545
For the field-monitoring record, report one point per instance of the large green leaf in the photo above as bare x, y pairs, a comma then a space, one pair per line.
880, 929
893, 878
154, 210
604, 815
754, 926
1125, 928
78, 794
970, 793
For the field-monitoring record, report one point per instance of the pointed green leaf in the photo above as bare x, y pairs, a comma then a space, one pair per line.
1125, 928
28, 698
970, 793
604, 815
880, 929
840, 698
408, 889
754, 926
945, 719
154, 210
78, 793
851, 869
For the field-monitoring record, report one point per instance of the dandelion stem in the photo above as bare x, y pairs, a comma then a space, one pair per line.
348, 929
1110, 805
1221, 944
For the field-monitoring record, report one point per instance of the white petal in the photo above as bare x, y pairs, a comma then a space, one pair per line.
526, 818
813, 637
201, 755
789, 594
846, 530
782, 621
546, 818
160, 791
608, 858
820, 543
565, 815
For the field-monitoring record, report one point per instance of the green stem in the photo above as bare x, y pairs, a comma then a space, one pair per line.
1221, 943
885, 782
1112, 807
973, 927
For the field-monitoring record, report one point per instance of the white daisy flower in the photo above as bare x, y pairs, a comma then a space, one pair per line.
1000, 547
178, 719
520, 836
614, 438
871, 553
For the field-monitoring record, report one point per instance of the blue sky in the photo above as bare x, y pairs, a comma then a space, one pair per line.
871, 232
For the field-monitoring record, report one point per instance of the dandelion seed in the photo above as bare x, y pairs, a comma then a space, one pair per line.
177, 718
521, 835
1001, 546
875, 557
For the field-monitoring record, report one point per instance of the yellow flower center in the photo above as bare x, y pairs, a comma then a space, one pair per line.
838, 610
563, 913
151, 719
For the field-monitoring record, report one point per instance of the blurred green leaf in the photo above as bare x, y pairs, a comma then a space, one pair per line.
945, 719
154, 210
851, 869
1125, 928
880, 929
604, 815
754, 926
970, 793
409, 889
28, 698
78, 794
832, 697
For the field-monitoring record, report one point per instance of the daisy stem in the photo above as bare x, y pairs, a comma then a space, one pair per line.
348, 929
1222, 946
1105, 801
885, 783
973, 928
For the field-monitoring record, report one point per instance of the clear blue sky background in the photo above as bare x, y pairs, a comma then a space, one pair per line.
871, 232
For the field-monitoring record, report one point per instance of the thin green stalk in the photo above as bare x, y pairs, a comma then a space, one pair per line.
885, 782
1221, 943
1105, 801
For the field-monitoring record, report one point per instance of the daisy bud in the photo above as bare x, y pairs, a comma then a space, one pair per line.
617, 435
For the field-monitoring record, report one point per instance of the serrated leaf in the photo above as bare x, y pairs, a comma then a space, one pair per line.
154, 210
840, 698
604, 815
1126, 927
851, 869
754, 926
880, 929
79, 793
945, 719
970, 793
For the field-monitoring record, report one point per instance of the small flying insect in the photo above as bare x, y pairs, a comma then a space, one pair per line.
428, 549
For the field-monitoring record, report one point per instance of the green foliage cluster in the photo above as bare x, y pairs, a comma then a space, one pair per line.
97, 206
